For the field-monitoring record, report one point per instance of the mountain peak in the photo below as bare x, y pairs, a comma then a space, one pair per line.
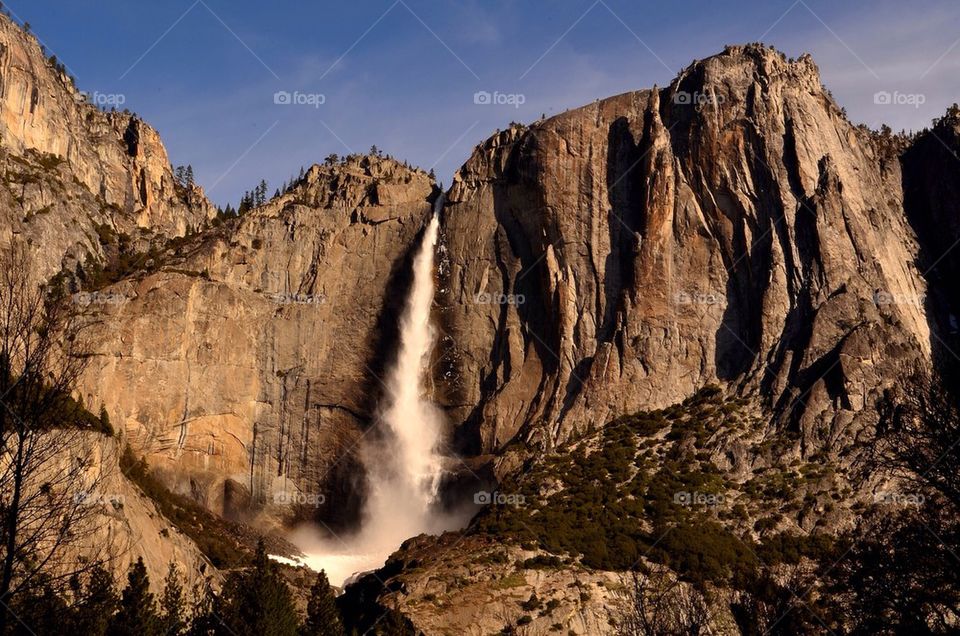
357, 181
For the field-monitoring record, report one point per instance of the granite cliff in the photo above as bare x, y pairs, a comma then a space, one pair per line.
70, 166
247, 367
733, 227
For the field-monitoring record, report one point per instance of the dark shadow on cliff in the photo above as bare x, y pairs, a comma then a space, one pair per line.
930, 168
627, 170
748, 261
523, 235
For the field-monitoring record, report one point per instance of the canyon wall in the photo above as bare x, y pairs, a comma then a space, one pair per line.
251, 365
733, 227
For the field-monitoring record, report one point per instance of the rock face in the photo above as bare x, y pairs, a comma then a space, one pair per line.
732, 227
478, 586
249, 366
69, 167
123, 523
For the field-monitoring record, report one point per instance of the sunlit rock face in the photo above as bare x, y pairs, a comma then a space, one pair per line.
248, 368
733, 227
70, 166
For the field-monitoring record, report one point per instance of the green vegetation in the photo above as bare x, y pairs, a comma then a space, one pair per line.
626, 494
137, 615
122, 260
323, 617
257, 601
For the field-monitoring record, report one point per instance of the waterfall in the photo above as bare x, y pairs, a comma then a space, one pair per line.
402, 454
405, 465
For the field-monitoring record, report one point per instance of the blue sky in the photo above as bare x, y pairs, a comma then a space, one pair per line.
402, 74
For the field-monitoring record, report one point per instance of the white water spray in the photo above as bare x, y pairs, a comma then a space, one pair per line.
405, 463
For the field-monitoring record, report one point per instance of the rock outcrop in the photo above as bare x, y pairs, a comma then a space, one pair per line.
69, 167
733, 227
119, 523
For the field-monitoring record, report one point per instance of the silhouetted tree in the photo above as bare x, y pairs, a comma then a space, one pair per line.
323, 617
899, 574
173, 608
137, 615
205, 616
46, 476
39, 611
778, 606
257, 602
95, 604
656, 603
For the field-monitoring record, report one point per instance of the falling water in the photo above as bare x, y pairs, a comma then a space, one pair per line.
405, 462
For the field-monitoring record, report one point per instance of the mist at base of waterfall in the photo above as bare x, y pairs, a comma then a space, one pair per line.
345, 556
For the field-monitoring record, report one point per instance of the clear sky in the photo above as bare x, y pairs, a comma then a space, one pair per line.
403, 74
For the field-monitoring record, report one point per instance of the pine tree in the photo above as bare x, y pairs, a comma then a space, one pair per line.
323, 618
39, 610
173, 613
188, 176
138, 613
205, 619
244, 203
257, 602
260, 193
95, 604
